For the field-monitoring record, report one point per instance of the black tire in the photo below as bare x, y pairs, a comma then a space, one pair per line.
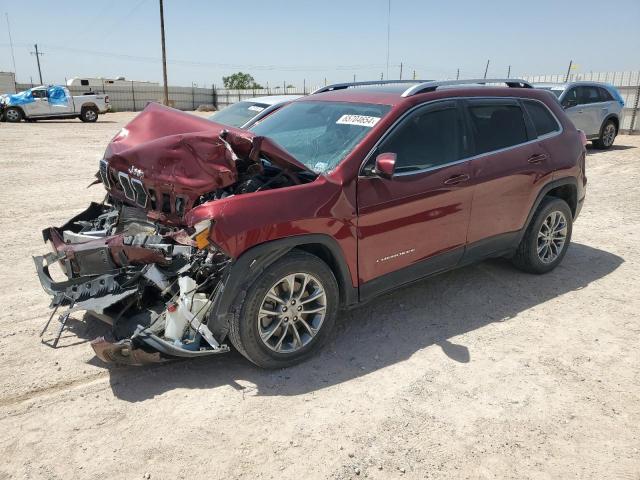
13, 115
89, 114
527, 257
244, 332
608, 134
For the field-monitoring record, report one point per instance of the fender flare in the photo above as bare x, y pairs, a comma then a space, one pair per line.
255, 260
89, 105
543, 193
611, 116
17, 107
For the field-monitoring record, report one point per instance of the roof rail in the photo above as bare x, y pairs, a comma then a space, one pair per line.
432, 86
341, 86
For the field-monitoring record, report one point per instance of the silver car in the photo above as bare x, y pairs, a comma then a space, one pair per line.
595, 108
246, 113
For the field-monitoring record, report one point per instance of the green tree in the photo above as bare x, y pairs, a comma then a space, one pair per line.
240, 81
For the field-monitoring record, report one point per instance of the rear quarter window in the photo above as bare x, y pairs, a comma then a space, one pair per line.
497, 126
542, 119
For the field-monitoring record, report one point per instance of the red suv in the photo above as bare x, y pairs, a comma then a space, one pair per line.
209, 232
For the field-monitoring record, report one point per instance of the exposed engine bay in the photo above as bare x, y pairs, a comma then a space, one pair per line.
133, 262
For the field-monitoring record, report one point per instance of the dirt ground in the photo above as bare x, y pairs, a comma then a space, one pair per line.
484, 372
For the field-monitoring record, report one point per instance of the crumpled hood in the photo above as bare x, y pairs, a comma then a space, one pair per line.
169, 146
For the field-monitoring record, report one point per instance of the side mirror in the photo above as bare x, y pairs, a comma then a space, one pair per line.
570, 103
385, 165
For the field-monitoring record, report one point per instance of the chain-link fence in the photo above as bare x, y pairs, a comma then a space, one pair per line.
135, 97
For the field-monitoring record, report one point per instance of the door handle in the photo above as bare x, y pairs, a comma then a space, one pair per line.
457, 179
537, 158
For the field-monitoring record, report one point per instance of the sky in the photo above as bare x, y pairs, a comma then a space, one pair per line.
280, 41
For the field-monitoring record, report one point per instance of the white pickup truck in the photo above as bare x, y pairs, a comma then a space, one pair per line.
54, 101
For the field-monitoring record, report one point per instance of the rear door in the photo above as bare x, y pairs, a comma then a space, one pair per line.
60, 101
416, 222
507, 169
592, 105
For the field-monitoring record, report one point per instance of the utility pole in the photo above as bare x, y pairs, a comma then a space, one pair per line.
400, 70
509, 71
458, 75
354, 78
164, 56
486, 69
388, 36
414, 74
13, 58
37, 54
566, 79
381, 76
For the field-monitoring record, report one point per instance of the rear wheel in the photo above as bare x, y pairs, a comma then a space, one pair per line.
89, 114
547, 237
287, 313
13, 115
607, 135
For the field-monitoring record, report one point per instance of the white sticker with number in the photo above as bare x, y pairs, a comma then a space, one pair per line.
360, 120
255, 108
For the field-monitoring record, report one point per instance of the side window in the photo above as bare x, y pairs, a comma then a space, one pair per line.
543, 121
605, 96
429, 137
570, 98
497, 125
84, 82
588, 95
39, 93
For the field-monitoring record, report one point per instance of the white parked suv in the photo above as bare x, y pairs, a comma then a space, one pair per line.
54, 101
593, 107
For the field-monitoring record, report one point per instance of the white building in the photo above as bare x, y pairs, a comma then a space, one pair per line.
107, 82
7, 82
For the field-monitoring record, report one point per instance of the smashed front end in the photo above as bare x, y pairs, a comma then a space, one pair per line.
134, 261
154, 285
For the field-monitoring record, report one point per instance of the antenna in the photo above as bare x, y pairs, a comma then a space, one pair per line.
13, 58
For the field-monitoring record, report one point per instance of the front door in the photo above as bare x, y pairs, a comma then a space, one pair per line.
586, 113
40, 104
415, 223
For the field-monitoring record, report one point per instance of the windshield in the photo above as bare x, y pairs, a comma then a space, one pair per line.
320, 134
238, 114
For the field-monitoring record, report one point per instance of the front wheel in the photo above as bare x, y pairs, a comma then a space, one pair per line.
287, 313
607, 136
13, 115
547, 237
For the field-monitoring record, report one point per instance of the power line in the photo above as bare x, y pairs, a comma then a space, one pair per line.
140, 58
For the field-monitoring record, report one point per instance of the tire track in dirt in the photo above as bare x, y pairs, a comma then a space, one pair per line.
51, 389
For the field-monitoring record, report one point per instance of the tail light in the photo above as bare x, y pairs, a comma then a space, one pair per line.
583, 137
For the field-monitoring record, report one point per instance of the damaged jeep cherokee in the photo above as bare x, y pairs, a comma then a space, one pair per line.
210, 234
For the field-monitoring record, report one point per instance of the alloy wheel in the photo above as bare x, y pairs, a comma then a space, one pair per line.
552, 237
90, 115
609, 135
292, 312
12, 115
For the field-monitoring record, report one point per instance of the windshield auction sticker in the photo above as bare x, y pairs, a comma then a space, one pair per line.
255, 108
360, 120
